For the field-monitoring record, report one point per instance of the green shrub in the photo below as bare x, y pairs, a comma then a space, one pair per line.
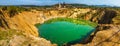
12, 10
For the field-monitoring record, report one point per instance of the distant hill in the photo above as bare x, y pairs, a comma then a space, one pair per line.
74, 5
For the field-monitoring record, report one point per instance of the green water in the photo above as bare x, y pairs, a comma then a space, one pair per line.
64, 32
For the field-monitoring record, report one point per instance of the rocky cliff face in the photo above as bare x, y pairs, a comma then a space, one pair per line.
17, 22
26, 20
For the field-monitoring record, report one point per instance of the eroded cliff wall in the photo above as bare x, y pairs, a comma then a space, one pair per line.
26, 20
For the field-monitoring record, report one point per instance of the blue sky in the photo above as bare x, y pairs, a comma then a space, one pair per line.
50, 2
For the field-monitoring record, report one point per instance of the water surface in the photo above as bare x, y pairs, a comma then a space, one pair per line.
64, 32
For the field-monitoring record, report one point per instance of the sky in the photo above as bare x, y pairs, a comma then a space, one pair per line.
51, 2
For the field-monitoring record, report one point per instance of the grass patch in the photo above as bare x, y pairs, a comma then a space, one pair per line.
8, 34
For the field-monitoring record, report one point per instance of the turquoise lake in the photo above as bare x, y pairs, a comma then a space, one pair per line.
64, 32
